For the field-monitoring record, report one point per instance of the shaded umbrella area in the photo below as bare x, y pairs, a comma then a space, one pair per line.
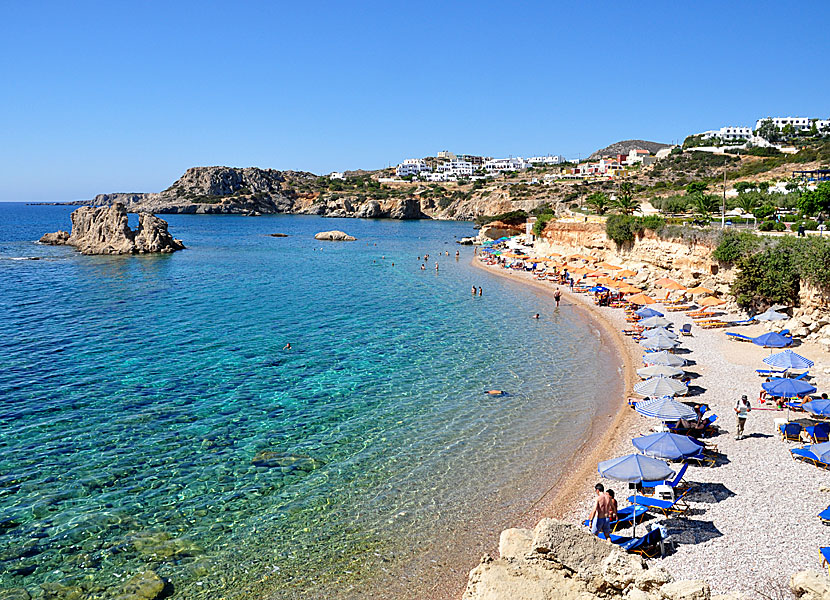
787, 388
665, 409
666, 445
635, 468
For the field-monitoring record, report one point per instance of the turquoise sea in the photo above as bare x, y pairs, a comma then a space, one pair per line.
150, 418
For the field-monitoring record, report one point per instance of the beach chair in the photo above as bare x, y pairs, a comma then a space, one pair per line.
790, 432
797, 406
739, 337
702, 458
804, 375
666, 507
686, 329
825, 557
768, 372
674, 483
819, 433
803, 454
647, 545
825, 516
625, 517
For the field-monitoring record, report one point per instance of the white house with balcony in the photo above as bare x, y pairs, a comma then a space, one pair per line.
550, 159
337, 175
729, 134
446, 155
798, 123
456, 167
412, 166
497, 165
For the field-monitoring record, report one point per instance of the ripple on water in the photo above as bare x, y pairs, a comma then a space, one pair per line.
151, 419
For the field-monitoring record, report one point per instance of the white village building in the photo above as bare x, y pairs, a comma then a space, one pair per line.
412, 166
497, 165
729, 134
459, 168
550, 159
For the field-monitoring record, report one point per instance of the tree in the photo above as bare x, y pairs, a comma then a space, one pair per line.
814, 202
788, 131
599, 202
763, 187
696, 187
705, 204
744, 186
769, 131
747, 202
625, 201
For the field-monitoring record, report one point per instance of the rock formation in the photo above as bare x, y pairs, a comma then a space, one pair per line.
104, 230
334, 236
562, 561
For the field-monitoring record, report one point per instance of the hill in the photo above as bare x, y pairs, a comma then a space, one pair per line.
626, 146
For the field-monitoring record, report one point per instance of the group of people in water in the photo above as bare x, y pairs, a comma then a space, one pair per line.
426, 259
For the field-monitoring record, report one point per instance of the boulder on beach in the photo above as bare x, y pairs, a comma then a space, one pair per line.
334, 236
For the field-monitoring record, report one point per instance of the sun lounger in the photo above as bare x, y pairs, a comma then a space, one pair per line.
819, 433
766, 372
708, 429
825, 556
790, 432
804, 375
686, 329
714, 324
794, 406
702, 459
739, 337
678, 505
803, 454
647, 545
625, 517
676, 482
825, 516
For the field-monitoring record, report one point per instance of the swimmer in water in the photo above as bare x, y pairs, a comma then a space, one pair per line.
536, 316
287, 346
474, 290
479, 291
423, 267
436, 267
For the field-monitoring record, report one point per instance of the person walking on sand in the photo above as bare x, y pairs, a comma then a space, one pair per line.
599, 517
557, 295
742, 409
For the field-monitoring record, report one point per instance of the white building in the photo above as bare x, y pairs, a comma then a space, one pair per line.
412, 166
547, 160
729, 134
497, 165
337, 175
438, 177
799, 123
446, 154
459, 168
636, 155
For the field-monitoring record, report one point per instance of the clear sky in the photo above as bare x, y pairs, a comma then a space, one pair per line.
124, 96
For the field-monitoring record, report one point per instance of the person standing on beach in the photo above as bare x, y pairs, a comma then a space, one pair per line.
600, 513
742, 409
557, 295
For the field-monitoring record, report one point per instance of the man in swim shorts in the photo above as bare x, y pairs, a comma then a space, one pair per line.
600, 515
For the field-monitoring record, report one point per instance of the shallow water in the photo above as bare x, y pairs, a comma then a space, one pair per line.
139, 394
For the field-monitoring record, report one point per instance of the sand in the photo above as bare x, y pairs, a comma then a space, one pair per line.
753, 519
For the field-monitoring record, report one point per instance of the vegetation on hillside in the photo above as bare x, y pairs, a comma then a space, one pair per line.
624, 228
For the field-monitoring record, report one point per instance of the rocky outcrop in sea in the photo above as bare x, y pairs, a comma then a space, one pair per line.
104, 230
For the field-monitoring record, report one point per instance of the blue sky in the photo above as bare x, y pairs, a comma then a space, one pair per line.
112, 96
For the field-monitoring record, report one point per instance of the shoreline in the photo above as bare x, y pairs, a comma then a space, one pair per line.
579, 472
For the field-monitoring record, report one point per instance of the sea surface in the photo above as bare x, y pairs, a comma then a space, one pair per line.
150, 417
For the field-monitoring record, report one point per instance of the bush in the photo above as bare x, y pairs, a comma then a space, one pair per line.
541, 221
764, 211
808, 224
735, 245
767, 278
514, 217
624, 228
772, 226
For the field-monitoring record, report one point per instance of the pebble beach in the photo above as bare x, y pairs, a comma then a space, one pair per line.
753, 516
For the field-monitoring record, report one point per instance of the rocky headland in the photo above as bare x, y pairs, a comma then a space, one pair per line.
104, 230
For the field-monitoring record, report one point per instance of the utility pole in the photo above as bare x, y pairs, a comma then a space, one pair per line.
723, 208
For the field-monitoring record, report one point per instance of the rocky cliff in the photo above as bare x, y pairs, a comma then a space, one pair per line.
561, 561
254, 191
687, 260
104, 230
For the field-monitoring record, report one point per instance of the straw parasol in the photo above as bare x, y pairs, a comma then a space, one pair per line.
641, 299
605, 265
711, 301
671, 284
664, 280
699, 290
579, 270
626, 273
630, 289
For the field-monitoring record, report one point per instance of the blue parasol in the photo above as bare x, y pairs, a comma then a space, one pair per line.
770, 315
788, 360
665, 409
635, 468
667, 445
646, 312
772, 340
787, 388
819, 408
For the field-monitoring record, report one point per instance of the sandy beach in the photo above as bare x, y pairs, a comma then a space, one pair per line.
753, 519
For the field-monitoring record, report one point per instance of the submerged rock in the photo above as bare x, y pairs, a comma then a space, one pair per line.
334, 236
278, 235
104, 230
15, 594
143, 586
267, 458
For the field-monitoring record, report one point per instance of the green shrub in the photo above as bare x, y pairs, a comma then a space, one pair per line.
808, 224
735, 245
514, 217
772, 226
767, 277
624, 228
541, 221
